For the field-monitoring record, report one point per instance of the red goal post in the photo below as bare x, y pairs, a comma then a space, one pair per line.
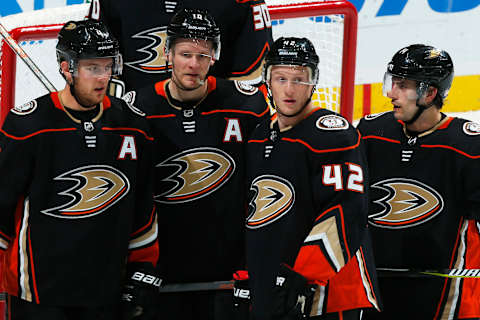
335, 94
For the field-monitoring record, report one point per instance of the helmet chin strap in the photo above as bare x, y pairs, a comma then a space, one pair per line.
417, 114
420, 110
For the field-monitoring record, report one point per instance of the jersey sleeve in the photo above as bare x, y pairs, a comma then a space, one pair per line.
337, 252
16, 164
340, 202
255, 33
143, 245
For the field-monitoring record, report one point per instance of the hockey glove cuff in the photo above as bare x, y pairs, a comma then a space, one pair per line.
293, 296
241, 294
140, 293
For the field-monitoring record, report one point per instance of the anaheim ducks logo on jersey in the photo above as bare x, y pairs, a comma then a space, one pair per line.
199, 172
96, 188
155, 59
273, 197
408, 203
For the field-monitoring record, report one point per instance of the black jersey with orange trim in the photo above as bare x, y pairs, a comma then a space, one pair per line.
200, 176
424, 213
308, 209
76, 201
141, 26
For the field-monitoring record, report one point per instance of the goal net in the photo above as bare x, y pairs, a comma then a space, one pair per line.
330, 25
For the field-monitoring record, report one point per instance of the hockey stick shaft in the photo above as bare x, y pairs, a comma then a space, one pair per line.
197, 286
443, 273
28, 61
382, 273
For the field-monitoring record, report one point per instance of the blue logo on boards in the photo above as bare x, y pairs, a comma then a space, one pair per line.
14, 6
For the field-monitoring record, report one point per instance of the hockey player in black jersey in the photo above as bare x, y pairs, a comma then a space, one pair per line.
308, 249
75, 193
200, 124
141, 27
425, 194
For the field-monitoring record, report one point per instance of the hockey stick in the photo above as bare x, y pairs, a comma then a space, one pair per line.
197, 286
443, 273
382, 273
29, 62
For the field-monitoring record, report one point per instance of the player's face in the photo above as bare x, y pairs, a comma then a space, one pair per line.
404, 98
91, 80
191, 59
290, 88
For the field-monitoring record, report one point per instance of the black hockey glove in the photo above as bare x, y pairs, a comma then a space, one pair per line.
140, 293
241, 294
293, 296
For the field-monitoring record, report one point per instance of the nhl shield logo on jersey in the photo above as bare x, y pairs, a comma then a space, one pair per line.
26, 108
471, 128
332, 122
407, 203
95, 189
272, 198
245, 88
196, 173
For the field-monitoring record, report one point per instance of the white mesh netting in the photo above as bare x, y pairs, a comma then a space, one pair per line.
42, 51
326, 32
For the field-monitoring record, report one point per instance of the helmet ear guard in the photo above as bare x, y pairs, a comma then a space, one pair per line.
195, 24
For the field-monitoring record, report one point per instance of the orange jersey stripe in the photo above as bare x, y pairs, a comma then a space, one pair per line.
266, 47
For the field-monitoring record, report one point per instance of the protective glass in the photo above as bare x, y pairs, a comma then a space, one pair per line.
392, 82
98, 70
307, 79
200, 57
199, 42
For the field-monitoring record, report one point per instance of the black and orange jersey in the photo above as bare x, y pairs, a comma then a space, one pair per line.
141, 28
424, 212
308, 209
200, 176
75, 198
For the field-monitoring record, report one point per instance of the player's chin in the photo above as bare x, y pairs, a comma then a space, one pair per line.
97, 97
398, 114
289, 110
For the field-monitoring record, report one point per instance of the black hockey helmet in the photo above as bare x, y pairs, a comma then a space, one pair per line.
193, 24
87, 39
292, 51
427, 65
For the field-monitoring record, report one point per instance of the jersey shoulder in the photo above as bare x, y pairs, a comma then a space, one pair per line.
324, 129
147, 100
376, 122
239, 95
462, 134
33, 116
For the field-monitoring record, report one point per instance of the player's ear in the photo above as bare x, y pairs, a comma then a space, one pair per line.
212, 62
431, 93
65, 70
